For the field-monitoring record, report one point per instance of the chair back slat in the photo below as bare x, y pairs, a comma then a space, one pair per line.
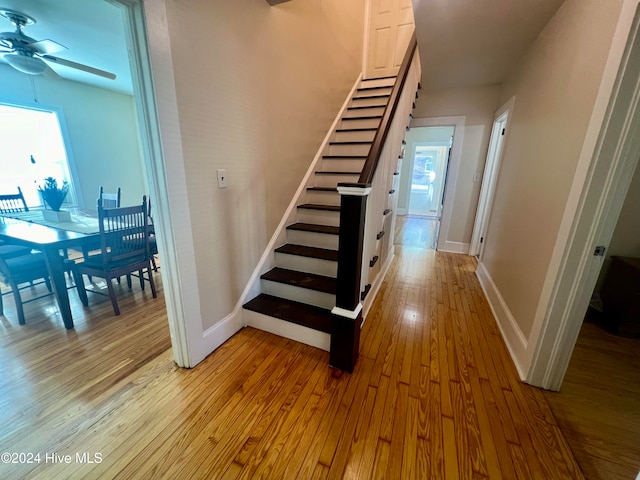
109, 200
124, 232
12, 203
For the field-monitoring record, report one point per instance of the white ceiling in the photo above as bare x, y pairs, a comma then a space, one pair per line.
466, 43
462, 42
92, 30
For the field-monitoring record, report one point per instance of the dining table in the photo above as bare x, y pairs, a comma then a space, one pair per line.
30, 229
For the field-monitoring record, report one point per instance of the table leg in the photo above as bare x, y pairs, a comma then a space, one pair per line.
56, 272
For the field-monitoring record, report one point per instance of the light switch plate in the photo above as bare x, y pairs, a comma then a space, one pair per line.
222, 178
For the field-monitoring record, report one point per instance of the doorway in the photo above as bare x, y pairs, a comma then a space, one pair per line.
424, 178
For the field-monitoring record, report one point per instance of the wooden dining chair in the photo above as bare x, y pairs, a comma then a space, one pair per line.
124, 248
13, 203
31, 269
109, 200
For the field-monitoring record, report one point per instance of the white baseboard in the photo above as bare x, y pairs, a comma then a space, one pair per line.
288, 330
513, 337
453, 247
366, 306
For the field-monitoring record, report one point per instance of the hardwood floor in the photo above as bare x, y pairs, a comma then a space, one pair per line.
434, 395
417, 231
598, 406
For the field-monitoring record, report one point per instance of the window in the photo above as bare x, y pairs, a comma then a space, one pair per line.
31, 148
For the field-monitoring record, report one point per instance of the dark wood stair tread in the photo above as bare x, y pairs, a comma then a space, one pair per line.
361, 117
295, 312
364, 129
294, 278
317, 206
350, 157
382, 95
352, 143
337, 173
379, 87
323, 189
311, 252
360, 107
312, 227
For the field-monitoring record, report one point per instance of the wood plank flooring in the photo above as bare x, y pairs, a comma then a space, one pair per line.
434, 395
598, 406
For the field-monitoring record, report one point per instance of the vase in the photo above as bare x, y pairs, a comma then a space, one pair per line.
59, 216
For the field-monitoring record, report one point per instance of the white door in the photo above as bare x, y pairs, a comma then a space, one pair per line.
390, 26
489, 179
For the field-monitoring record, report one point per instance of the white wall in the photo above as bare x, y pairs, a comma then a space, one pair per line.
478, 105
103, 140
257, 101
555, 87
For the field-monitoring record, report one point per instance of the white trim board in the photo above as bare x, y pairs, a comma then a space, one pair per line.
458, 122
513, 337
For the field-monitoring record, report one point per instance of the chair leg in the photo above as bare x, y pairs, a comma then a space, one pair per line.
18, 301
152, 283
47, 282
141, 278
1, 305
112, 296
153, 262
128, 281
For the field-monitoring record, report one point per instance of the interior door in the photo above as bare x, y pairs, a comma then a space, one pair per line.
389, 29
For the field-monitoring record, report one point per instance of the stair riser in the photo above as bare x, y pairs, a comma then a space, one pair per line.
360, 123
341, 165
323, 198
374, 92
297, 294
312, 239
333, 180
366, 136
378, 82
373, 102
319, 217
307, 264
289, 330
347, 149
363, 112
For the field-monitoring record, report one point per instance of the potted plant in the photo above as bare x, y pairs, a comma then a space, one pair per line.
53, 197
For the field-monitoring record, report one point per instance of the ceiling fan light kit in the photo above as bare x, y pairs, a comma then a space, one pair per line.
31, 56
25, 64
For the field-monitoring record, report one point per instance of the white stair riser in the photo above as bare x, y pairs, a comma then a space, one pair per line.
365, 136
347, 149
319, 217
359, 123
297, 294
359, 112
323, 198
378, 82
342, 165
312, 239
286, 329
307, 264
333, 180
372, 101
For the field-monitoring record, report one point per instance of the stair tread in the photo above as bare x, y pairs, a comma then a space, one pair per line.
361, 117
311, 252
323, 189
361, 107
310, 281
355, 142
337, 173
295, 312
312, 227
317, 206
345, 156
364, 129
382, 95
380, 87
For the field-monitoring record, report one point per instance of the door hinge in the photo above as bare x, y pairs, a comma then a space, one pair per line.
503, 130
481, 239
599, 251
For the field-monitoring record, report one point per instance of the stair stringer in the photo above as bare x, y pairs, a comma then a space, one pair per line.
267, 260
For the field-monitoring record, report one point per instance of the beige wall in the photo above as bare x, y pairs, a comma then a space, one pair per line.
257, 89
478, 105
555, 87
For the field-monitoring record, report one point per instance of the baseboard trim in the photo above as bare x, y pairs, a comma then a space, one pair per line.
454, 247
513, 337
366, 305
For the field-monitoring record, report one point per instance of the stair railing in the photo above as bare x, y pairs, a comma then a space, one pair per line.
367, 216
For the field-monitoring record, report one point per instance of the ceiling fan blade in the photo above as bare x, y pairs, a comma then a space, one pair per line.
47, 46
79, 66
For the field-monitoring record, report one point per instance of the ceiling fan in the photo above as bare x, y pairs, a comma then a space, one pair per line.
29, 55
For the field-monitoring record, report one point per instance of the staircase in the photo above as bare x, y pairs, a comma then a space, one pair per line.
299, 292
